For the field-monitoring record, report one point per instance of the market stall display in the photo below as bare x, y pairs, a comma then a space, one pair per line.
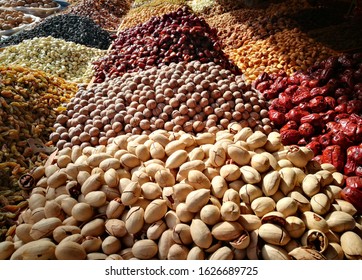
212, 130
68, 60
71, 28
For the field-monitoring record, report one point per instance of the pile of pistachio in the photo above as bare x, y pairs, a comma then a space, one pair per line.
234, 194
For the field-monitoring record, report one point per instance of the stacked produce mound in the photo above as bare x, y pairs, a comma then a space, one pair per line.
68, 60
29, 106
144, 11
174, 37
29, 4
230, 195
71, 28
321, 108
11, 19
193, 97
106, 13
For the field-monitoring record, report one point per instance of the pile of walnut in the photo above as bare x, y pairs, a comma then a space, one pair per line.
236, 194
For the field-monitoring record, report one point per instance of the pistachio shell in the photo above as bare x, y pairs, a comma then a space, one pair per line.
274, 142
314, 221
196, 153
198, 180
231, 195
174, 146
111, 245
260, 162
250, 192
339, 221
218, 186
270, 183
92, 183
249, 222
195, 200
256, 140
200, 233
62, 232
305, 253
320, 203
111, 178
131, 193
82, 211
116, 227
155, 230
223, 253
226, 231
177, 252
96, 256
183, 213
36, 201
262, 205
171, 219
287, 205
295, 226
164, 244
351, 244
253, 251
142, 152
57, 179
250, 175
181, 234
217, 155
288, 179
69, 250
135, 219
93, 228
186, 167
7, 248
230, 172
23, 232
230, 211
155, 211
274, 217
92, 244
334, 251
242, 242
176, 159
238, 154
311, 185
114, 209
346, 206
164, 178
302, 201
44, 228
274, 234
41, 249
209, 214
196, 253
315, 239
96, 198
274, 252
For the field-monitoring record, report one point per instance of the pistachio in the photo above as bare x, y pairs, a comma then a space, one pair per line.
226, 231
92, 183
155, 211
57, 179
305, 253
250, 175
274, 252
315, 239
302, 201
256, 140
311, 185
334, 251
294, 226
274, 142
174, 146
250, 192
223, 253
96, 256
195, 200
111, 245
95, 198
260, 162
320, 203
274, 217
218, 186
116, 227
253, 251
171, 219
22, 231
6, 249
111, 178
82, 212
36, 200
270, 183
186, 167
274, 234
155, 230
62, 232
114, 209
182, 234
209, 214
287, 205
183, 213
135, 219
196, 253
44, 228
238, 154
314, 221
249, 222
351, 244
262, 205
164, 244
346, 206
196, 154
93, 228
198, 180
339, 221
41, 249
68, 250
217, 156
230, 211
231, 195
176, 159
92, 244
178, 252
200, 233
230, 172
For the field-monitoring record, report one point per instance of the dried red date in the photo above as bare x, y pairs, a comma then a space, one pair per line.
353, 192
290, 137
334, 155
306, 130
